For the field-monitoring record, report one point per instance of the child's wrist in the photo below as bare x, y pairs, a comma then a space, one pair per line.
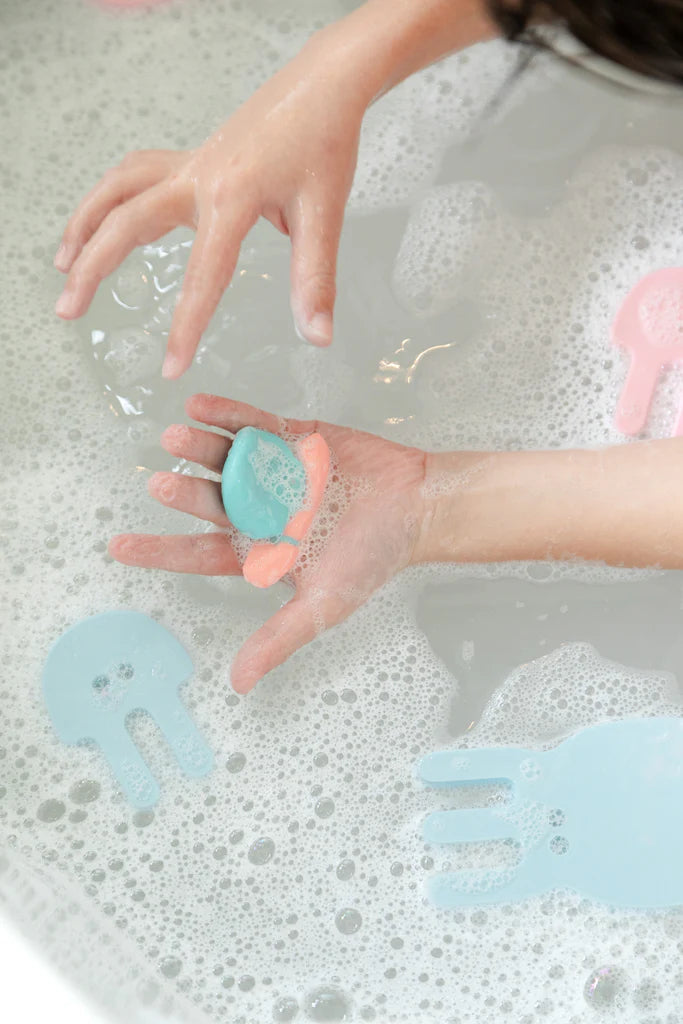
510, 506
338, 58
381, 42
454, 507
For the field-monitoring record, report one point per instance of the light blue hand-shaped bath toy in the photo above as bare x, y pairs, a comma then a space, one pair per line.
600, 814
106, 667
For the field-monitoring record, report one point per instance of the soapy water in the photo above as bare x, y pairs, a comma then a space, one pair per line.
480, 269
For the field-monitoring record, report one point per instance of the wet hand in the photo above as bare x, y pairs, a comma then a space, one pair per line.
370, 536
288, 155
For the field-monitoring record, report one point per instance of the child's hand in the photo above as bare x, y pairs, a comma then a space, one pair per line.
288, 155
373, 538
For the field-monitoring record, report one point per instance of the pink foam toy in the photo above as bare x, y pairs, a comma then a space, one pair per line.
267, 563
649, 326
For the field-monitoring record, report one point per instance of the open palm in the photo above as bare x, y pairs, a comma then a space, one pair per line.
370, 534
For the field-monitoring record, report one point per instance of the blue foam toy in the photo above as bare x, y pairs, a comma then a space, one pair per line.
106, 667
263, 484
600, 814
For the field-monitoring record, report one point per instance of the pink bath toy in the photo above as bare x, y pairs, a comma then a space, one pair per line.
649, 326
267, 563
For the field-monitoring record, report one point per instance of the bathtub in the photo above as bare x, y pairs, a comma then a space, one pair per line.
32, 989
485, 253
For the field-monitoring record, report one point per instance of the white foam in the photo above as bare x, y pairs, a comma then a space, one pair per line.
544, 345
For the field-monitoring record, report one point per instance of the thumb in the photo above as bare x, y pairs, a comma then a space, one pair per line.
288, 630
315, 232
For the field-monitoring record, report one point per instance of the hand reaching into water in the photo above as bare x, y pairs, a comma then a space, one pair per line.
288, 155
265, 161
371, 538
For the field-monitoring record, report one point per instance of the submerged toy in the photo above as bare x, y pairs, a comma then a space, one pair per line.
649, 325
600, 814
272, 497
106, 667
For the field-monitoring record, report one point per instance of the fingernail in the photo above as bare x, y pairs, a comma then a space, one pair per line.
241, 687
319, 329
62, 260
65, 304
115, 546
172, 367
172, 437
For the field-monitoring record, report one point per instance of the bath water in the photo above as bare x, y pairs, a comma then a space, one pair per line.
485, 254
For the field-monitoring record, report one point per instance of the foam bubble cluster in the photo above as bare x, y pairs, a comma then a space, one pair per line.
285, 481
548, 303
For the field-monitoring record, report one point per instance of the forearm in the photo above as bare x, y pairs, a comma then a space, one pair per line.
621, 505
384, 41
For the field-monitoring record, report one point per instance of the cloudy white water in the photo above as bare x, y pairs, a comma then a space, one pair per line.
483, 260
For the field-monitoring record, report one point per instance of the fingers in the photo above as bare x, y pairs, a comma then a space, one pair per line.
231, 415
315, 230
138, 222
207, 554
136, 173
208, 449
197, 497
288, 630
209, 271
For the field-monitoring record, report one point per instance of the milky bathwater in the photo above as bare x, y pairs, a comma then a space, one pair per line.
482, 263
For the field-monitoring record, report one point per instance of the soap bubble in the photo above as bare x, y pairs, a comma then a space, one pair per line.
348, 921
261, 850
202, 635
51, 810
605, 988
345, 869
141, 819
84, 791
236, 762
324, 807
327, 1005
170, 966
285, 1009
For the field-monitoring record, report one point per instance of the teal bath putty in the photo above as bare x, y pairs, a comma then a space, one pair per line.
263, 484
